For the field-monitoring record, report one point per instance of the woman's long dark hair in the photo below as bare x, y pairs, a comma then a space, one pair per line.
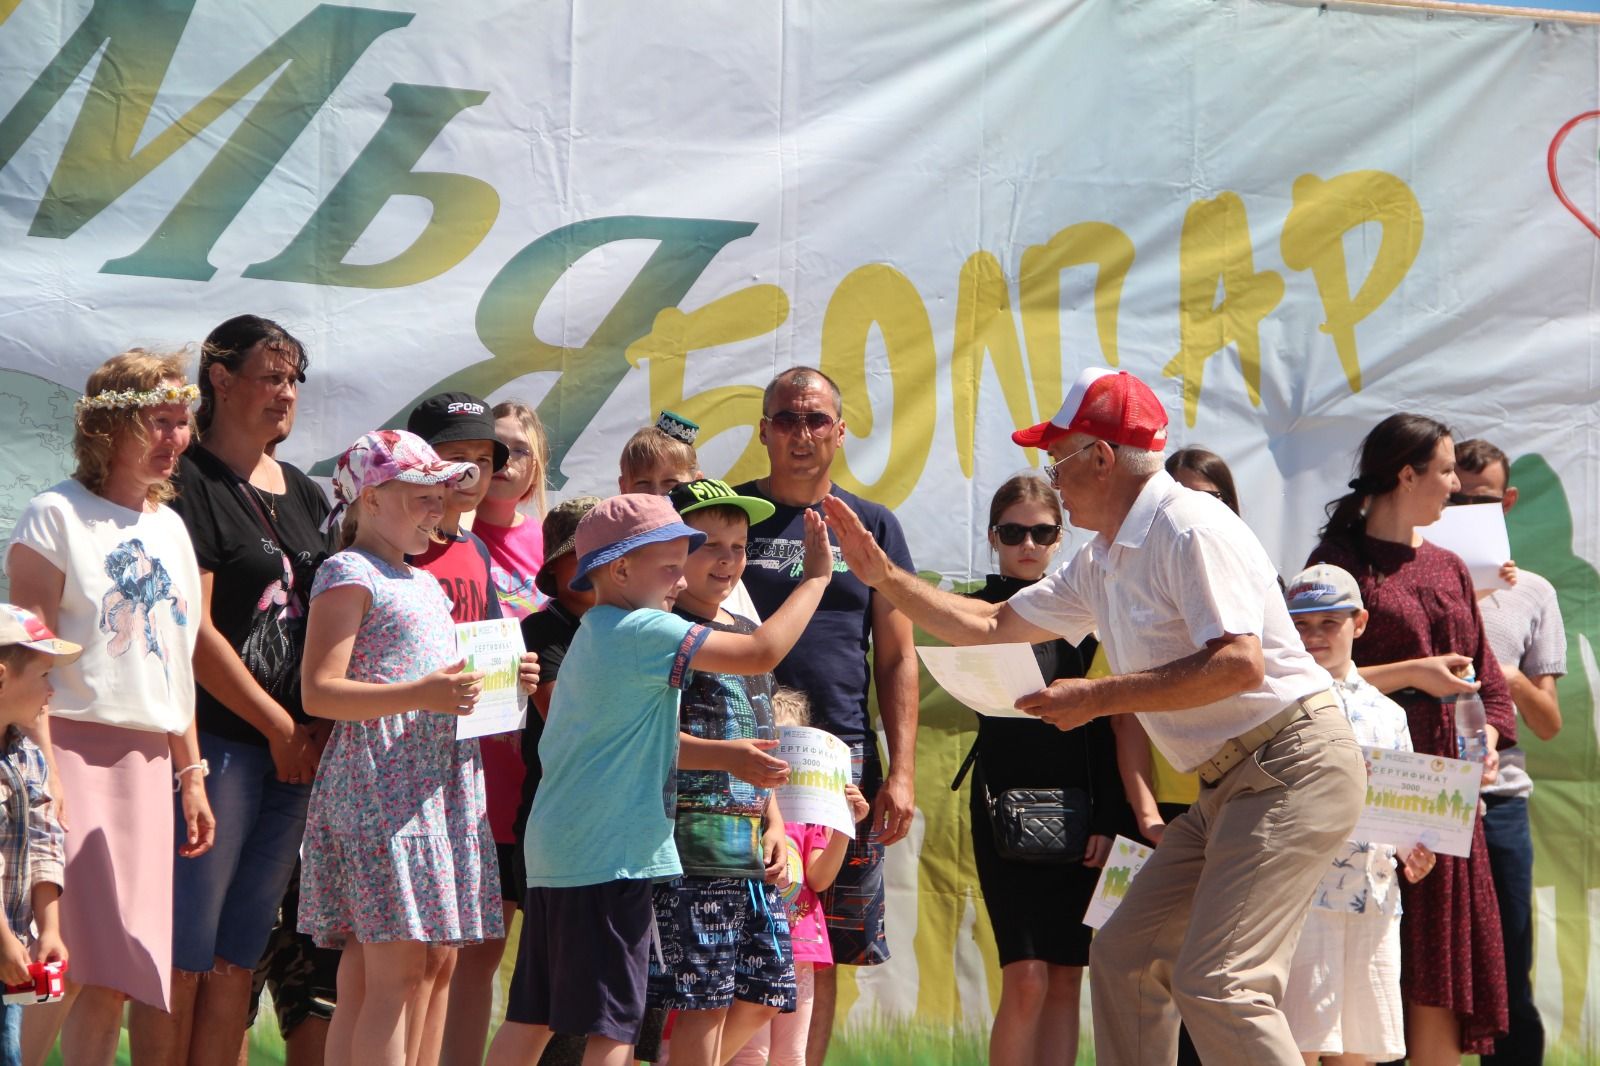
1399, 441
231, 344
1210, 466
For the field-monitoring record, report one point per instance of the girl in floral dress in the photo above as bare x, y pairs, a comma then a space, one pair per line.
397, 843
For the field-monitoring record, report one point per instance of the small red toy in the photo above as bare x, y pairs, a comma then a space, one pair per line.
47, 984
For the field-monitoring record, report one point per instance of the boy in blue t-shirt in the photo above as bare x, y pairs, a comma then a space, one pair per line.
601, 829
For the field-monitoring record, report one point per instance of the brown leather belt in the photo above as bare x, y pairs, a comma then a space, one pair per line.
1245, 744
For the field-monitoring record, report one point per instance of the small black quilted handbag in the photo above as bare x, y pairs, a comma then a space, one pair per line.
1041, 826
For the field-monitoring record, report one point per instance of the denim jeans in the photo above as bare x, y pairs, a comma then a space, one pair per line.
225, 902
11, 1034
1510, 842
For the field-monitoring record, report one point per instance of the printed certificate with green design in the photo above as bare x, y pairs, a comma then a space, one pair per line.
819, 768
1413, 798
494, 647
1127, 858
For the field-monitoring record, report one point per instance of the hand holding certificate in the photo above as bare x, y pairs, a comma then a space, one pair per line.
819, 768
989, 678
1127, 858
1413, 798
495, 648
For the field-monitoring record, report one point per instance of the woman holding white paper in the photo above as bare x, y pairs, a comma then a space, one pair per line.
1037, 910
1424, 631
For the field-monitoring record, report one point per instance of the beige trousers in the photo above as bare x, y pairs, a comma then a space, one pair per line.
1208, 928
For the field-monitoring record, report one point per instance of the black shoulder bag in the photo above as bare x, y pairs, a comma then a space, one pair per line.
1039, 826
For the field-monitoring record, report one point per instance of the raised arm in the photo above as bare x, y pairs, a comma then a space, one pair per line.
761, 651
956, 620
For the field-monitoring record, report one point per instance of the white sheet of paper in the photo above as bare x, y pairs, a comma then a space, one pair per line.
1127, 858
989, 678
1477, 533
1414, 798
496, 648
819, 768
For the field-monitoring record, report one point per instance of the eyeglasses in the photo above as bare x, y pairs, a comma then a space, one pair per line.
1053, 471
815, 422
1459, 498
1011, 534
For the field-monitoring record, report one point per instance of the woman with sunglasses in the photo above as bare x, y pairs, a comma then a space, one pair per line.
1037, 911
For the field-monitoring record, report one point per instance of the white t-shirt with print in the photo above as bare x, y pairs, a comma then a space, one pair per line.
132, 599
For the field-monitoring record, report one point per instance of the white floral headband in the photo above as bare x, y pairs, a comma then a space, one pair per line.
120, 399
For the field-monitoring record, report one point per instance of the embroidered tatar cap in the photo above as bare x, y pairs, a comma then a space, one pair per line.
678, 428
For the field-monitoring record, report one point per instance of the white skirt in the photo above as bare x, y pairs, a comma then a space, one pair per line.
1343, 992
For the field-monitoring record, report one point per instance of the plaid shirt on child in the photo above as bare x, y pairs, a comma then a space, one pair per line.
32, 844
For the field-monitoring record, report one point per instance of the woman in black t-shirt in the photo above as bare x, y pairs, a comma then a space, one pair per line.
256, 524
1037, 911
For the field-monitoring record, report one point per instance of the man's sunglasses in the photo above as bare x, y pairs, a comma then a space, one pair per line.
1459, 498
814, 421
1011, 534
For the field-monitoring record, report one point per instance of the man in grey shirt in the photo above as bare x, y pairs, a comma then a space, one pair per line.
1523, 624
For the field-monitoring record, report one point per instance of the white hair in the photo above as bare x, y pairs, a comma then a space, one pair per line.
1138, 462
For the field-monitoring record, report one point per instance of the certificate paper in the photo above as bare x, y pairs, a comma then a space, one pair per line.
1414, 798
819, 768
1126, 860
1477, 533
989, 678
496, 648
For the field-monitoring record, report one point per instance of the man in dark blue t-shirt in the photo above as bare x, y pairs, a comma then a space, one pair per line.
802, 426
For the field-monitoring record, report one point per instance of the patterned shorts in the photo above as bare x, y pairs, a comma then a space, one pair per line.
855, 904
302, 976
722, 938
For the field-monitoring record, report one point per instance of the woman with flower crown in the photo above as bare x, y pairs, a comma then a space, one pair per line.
109, 566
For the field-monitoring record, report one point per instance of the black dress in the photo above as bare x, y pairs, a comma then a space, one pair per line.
1037, 911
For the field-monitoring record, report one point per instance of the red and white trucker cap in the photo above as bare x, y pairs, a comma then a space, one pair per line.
1111, 405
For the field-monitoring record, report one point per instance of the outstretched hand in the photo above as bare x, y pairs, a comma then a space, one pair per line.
819, 553
862, 554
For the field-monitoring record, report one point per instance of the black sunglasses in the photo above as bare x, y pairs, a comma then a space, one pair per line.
1459, 498
813, 421
1011, 534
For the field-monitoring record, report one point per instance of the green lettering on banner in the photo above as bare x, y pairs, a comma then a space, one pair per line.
99, 162
464, 208
588, 373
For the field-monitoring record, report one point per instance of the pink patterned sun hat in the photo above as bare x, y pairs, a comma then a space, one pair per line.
386, 455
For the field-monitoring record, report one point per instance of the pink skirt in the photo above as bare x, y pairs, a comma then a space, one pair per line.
116, 907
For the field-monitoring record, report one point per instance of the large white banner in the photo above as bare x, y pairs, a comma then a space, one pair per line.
1291, 219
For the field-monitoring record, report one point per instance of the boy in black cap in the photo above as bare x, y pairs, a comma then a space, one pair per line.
461, 427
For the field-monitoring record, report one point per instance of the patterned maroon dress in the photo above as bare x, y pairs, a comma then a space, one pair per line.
1422, 604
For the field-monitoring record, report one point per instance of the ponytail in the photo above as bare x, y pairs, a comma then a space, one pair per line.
1399, 441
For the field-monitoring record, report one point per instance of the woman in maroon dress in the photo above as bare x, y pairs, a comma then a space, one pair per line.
1424, 629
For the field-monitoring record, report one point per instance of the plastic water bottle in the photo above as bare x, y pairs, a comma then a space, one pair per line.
1472, 733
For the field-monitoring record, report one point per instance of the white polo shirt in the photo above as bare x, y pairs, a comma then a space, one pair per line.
1183, 570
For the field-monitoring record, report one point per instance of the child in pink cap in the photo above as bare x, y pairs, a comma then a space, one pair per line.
398, 851
601, 829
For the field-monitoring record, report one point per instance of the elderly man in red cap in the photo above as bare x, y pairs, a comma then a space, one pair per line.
1187, 606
